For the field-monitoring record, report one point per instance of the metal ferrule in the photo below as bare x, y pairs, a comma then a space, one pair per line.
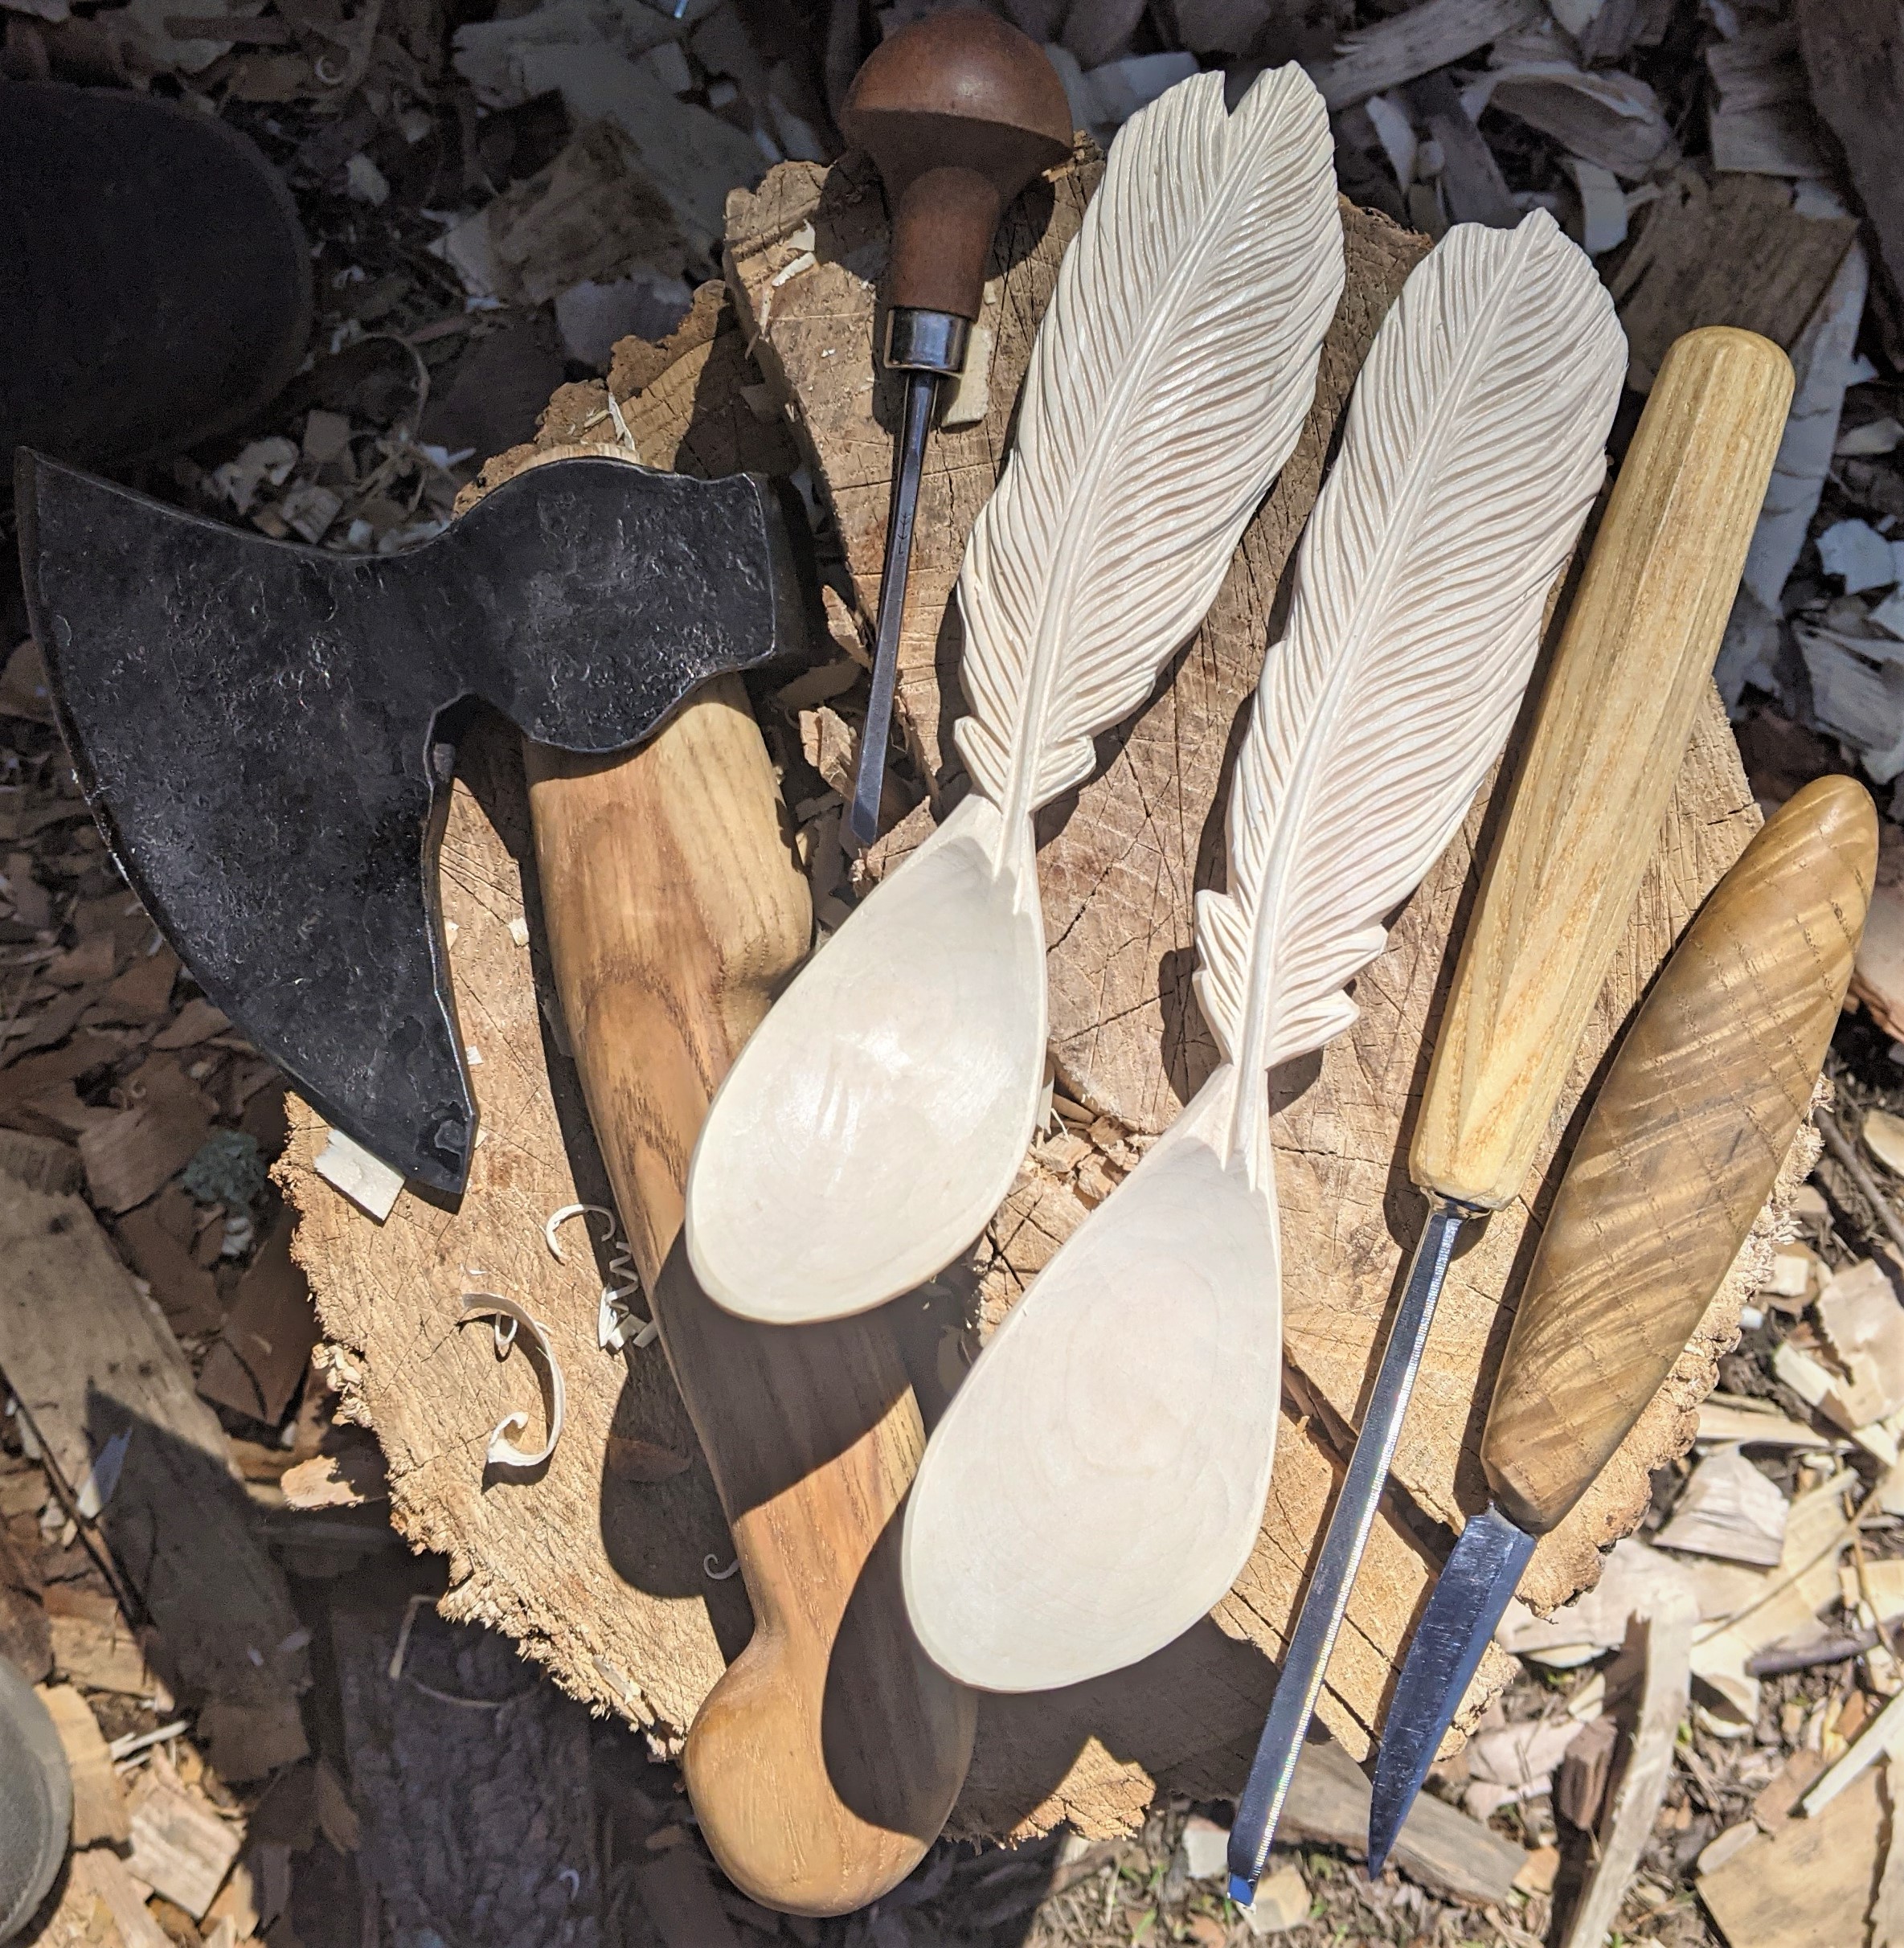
926, 341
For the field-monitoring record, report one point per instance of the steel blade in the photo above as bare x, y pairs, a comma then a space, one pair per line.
1353, 1516
863, 820
1481, 1574
260, 728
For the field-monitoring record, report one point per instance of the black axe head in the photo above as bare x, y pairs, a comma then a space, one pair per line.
256, 727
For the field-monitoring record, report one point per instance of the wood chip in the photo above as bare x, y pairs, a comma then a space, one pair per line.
1605, 116
370, 1183
1882, 1738
1728, 1509
41, 1163
1743, 1611
99, 1808
131, 1154
26, 1638
142, 993
1722, 1423
250, 1741
1797, 1889
1662, 1643
1887, 1904
180, 1847
1777, 1802
260, 1363
1580, 1789
1415, 42
88, 1359
1596, 1621
1512, 1762
197, 1022
99, 1875
187, 1292
1732, 251
24, 691
106, 1656
1853, 59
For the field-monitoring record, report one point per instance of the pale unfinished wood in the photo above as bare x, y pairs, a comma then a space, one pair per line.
99, 1809
90, 1360
1118, 860
874, 1123
1117, 866
1730, 250
1038, 1552
1630, 669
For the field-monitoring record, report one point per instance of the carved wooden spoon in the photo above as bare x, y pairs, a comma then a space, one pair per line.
1099, 1482
876, 1120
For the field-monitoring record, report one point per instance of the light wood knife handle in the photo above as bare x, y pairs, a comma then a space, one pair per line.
826, 1760
1630, 666
1680, 1149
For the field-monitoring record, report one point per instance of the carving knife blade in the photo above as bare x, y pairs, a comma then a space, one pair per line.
1628, 674
1681, 1148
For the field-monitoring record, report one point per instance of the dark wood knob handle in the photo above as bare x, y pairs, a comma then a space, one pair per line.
959, 111
1680, 1149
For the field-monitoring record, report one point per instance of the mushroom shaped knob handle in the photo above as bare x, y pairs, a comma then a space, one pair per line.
959, 111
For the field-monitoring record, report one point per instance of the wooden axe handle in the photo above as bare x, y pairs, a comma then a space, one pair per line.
825, 1761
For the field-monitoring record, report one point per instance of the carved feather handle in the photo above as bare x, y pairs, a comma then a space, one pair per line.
1169, 381
1633, 662
1681, 1150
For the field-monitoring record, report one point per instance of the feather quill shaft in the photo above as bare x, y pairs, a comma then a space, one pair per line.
1473, 448
1170, 380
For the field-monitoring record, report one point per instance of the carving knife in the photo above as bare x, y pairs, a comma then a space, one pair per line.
1677, 1158
1631, 666
959, 111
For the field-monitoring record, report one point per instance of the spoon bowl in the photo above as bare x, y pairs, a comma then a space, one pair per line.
1098, 1482
901, 1072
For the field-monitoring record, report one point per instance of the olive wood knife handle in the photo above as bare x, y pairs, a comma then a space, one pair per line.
825, 1761
1609, 734
1681, 1150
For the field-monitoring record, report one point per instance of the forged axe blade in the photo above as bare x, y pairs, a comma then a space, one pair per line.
255, 725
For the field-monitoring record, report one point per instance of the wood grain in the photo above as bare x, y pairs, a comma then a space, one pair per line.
1119, 859
1118, 866
825, 1761
178, 1523
1633, 664
1680, 1149
596, 1569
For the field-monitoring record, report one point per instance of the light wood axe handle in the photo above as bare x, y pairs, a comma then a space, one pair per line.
826, 1760
1681, 1150
1631, 667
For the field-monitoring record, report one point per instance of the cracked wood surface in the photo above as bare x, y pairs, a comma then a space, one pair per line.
597, 1568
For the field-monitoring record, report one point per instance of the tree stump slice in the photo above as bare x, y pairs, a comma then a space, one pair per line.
600, 1567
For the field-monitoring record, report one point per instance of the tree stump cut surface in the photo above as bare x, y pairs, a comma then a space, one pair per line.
601, 1569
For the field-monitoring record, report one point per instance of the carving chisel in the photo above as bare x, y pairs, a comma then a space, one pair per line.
1631, 665
1678, 1157
959, 111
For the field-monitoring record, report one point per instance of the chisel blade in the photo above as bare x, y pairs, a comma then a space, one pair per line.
1482, 1572
1305, 1661
862, 817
